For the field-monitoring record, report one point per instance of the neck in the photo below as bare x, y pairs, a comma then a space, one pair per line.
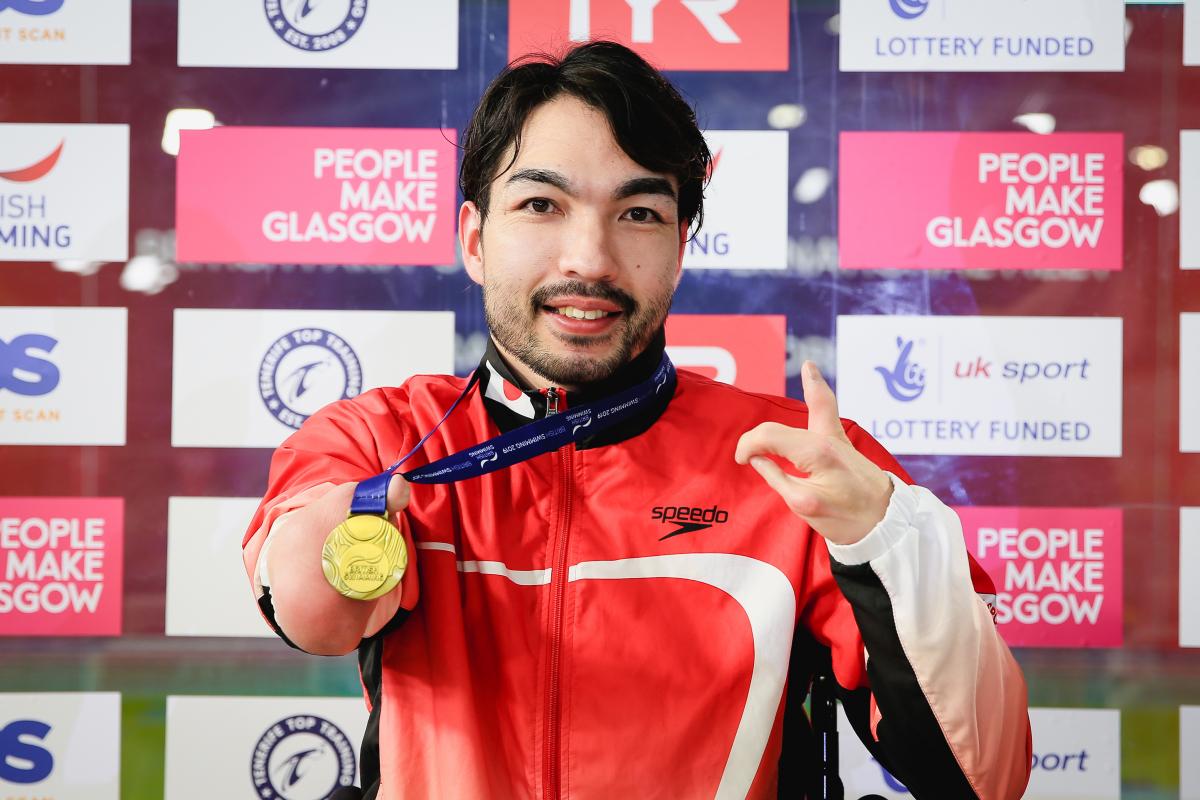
529, 379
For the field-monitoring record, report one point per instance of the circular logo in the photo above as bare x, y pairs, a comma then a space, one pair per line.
302, 758
304, 370
315, 25
909, 9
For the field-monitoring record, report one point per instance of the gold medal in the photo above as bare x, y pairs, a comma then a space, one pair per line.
364, 557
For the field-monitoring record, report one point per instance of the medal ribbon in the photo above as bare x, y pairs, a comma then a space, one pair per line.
538, 437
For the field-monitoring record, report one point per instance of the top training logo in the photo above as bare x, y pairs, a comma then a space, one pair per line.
906, 380
909, 9
302, 758
34, 8
304, 370
314, 25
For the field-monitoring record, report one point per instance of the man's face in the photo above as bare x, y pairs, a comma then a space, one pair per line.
581, 252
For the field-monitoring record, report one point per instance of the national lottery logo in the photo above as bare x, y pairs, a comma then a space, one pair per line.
314, 25
34, 8
905, 381
304, 370
302, 757
909, 9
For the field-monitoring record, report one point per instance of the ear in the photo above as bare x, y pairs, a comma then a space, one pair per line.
683, 232
470, 240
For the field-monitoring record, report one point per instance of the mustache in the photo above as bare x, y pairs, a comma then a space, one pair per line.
597, 291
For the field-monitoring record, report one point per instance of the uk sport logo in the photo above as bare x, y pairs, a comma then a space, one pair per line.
302, 757
906, 380
315, 25
34, 8
304, 370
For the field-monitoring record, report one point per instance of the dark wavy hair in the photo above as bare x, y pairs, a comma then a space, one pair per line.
650, 121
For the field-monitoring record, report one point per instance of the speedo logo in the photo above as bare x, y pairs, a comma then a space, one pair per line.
688, 519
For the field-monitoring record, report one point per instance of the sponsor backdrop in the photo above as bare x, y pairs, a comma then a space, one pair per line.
1189, 577
365, 34
1076, 754
207, 592
980, 201
1057, 572
1191, 33
65, 192
983, 36
60, 746
251, 378
1189, 382
722, 35
65, 32
1189, 195
217, 216
266, 747
1037, 386
316, 196
62, 375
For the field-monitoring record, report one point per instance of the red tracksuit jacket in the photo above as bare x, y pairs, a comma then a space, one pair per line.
637, 616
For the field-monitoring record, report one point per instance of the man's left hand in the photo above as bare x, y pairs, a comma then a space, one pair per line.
839, 493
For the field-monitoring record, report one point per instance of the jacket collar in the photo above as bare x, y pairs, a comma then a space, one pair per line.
511, 404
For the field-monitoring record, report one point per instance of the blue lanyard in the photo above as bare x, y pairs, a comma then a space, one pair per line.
538, 437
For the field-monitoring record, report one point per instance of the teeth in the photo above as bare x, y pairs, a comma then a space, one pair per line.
578, 313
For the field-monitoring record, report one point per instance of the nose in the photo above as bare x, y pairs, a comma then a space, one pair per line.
587, 249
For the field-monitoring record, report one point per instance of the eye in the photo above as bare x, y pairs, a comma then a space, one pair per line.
539, 205
643, 214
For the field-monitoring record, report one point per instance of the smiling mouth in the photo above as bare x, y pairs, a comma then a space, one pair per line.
571, 312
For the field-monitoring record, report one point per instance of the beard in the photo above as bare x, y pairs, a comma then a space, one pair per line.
512, 321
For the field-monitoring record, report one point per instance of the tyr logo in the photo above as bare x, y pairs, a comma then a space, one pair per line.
709, 13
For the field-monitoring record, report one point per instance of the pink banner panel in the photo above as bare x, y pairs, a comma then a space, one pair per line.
746, 350
980, 201
1058, 572
675, 34
316, 196
62, 566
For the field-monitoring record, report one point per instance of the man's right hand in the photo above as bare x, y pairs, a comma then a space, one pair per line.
313, 615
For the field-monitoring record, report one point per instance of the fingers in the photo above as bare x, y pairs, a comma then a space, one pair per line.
398, 494
799, 498
822, 405
807, 450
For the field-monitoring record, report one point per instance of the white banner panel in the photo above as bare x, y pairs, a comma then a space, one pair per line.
1189, 577
1189, 748
249, 378
1189, 382
1076, 754
368, 34
208, 592
64, 31
1189, 197
62, 375
266, 747
982, 36
60, 745
737, 233
1191, 33
64, 192
1012, 386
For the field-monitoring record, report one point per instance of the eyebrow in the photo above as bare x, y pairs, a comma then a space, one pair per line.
629, 188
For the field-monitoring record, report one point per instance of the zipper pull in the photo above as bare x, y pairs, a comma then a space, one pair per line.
552, 401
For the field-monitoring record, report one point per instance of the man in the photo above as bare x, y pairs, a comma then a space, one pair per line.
638, 613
